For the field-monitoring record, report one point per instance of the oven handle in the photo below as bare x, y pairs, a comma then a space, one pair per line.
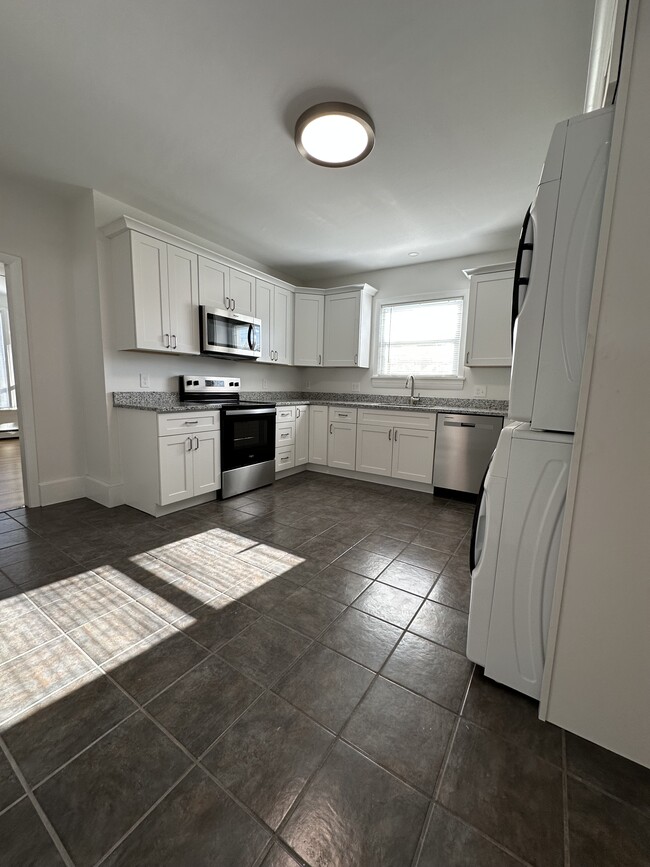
250, 412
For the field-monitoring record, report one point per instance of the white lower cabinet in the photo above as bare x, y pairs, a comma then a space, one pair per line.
342, 445
284, 458
413, 455
374, 449
189, 466
318, 434
302, 435
206, 457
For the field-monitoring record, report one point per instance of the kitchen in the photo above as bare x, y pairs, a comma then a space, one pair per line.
330, 513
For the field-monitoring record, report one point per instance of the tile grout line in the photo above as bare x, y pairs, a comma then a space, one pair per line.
49, 827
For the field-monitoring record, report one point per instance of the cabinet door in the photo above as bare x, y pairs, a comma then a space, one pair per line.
413, 455
206, 458
151, 292
214, 283
318, 423
242, 293
183, 300
176, 475
488, 321
374, 449
302, 435
342, 445
308, 330
283, 325
341, 346
264, 311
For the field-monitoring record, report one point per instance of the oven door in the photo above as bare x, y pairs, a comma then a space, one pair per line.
227, 333
247, 437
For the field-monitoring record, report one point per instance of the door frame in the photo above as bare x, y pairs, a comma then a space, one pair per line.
23, 373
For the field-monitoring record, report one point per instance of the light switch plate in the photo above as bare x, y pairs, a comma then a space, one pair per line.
265, 384
480, 391
144, 380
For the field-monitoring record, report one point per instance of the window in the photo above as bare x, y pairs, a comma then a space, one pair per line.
422, 338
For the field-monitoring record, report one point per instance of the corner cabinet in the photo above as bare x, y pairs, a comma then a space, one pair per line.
332, 326
489, 316
155, 285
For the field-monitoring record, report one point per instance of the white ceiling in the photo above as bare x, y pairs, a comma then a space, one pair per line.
186, 108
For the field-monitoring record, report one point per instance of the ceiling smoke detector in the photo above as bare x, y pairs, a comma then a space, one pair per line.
334, 134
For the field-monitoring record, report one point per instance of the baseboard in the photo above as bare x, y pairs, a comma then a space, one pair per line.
62, 490
104, 493
370, 477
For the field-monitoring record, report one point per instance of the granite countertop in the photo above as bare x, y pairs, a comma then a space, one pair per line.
168, 401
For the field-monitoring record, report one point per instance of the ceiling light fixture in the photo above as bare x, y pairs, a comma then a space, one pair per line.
414, 253
334, 134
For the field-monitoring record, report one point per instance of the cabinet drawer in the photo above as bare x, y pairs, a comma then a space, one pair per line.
285, 434
285, 413
187, 422
398, 418
284, 458
342, 414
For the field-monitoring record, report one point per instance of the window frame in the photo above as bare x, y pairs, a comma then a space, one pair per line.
450, 381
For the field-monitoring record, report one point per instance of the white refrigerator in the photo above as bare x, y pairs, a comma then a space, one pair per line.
520, 508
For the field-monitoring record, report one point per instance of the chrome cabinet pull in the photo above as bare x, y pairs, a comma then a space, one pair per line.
234, 304
390, 434
298, 411
395, 434
166, 336
227, 303
330, 427
191, 422
356, 356
189, 440
197, 443
319, 359
174, 339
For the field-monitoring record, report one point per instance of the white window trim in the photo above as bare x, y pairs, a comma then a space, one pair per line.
435, 383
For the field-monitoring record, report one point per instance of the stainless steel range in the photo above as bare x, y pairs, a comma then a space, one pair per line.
247, 432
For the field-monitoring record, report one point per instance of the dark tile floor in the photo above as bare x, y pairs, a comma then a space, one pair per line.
274, 681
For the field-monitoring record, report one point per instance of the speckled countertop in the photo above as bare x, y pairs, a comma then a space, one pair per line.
168, 401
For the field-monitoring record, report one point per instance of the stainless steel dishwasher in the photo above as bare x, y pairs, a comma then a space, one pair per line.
464, 446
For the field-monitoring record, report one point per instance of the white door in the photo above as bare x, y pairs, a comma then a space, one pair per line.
264, 311
214, 284
242, 293
374, 449
151, 292
488, 321
176, 475
342, 445
302, 435
308, 330
413, 455
183, 300
341, 343
318, 436
283, 325
207, 462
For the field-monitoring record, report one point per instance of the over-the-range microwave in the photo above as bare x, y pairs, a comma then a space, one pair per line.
229, 334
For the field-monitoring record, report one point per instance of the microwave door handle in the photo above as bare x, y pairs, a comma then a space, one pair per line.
250, 338
518, 281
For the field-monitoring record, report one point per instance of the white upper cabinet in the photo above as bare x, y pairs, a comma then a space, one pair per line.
308, 330
214, 283
274, 307
341, 347
156, 292
242, 293
489, 317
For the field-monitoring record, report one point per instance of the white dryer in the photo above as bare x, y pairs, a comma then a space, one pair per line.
554, 274
514, 553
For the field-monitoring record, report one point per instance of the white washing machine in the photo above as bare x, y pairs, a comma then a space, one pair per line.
514, 553
554, 274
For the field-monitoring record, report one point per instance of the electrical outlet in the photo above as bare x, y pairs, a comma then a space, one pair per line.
144, 380
307, 384
355, 386
480, 391
265, 384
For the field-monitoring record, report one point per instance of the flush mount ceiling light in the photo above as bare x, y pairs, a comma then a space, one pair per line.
334, 134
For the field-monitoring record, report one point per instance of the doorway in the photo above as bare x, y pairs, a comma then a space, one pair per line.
11, 473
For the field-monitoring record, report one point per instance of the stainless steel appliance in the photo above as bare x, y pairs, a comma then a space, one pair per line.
225, 333
247, 432
464, 445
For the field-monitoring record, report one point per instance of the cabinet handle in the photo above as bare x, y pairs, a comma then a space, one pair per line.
234, 304
189, 440
276, 354
197, 443
395, 434
166, 336
285, 458
227, 303
390, 434
298, 415
356, 356
330, 427
284, 436
319, 359
174, 339
191, 422
467, 358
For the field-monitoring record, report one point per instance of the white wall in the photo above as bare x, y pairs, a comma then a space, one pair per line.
600, 673
35, 224
446, 274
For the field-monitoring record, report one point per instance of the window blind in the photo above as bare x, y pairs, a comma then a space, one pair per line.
421, 338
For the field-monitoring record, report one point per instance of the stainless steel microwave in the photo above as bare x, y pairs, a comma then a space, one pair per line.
229, 334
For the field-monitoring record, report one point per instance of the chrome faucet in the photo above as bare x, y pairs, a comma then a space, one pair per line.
410, 382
